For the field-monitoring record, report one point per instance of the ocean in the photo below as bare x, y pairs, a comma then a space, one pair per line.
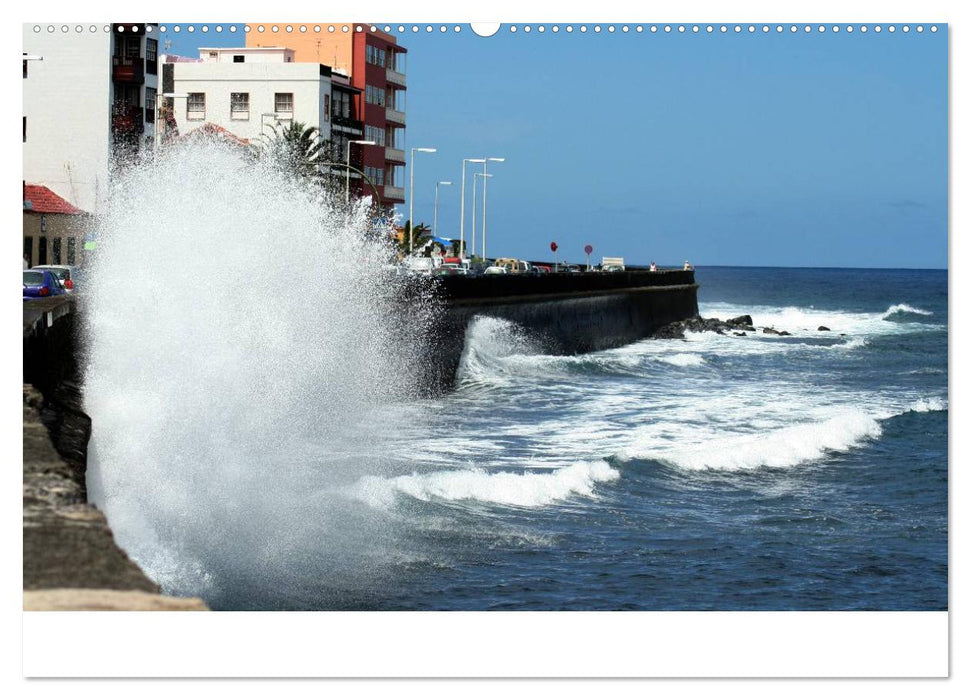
764, 472
259, 449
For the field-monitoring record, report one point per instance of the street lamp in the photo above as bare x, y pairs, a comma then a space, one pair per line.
263, 122
158, 113
462, 208
485, 189
411, 198
475, 185
347, 176
436, 204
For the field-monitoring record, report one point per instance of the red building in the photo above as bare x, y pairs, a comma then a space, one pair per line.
376, 65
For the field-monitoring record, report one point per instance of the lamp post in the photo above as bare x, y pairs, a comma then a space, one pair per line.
263, 122
462, 207
347, 176
435, 229
475, 185
485, 189
411, 198
158, 114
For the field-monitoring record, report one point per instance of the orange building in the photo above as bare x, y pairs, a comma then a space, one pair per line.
376, 65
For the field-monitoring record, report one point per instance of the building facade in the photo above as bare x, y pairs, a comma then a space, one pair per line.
250, 92
376, 66
54, 229
89, 104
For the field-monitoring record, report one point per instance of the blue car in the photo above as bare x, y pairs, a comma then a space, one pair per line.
39, 284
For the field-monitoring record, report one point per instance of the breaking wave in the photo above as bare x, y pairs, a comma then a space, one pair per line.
528, 490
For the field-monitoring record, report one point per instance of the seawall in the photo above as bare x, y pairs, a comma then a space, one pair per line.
564, 314
70, 558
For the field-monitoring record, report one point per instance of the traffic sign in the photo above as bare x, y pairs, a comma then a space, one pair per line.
588, 249
553, 246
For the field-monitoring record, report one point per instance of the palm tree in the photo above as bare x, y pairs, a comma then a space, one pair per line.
296, 147
423, 234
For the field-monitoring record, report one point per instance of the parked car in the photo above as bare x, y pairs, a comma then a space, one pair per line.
67, 274
39, 284
496, 270
612, 268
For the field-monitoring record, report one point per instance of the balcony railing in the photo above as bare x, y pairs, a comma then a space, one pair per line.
395, 77
394, 193
393, 115
127, 119
394, 154
133, 72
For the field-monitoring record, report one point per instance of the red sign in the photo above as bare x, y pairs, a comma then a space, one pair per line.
588, 249
553, 246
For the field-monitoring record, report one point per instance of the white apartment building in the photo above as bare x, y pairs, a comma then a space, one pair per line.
248, 91
89, 95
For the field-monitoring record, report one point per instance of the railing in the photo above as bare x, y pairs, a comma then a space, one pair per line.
395, 77
394, 154
393, 115
127, 119
394, 193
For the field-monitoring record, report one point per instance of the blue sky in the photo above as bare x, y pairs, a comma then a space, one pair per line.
791, 149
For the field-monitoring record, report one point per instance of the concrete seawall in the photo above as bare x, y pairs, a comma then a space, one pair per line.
563, 314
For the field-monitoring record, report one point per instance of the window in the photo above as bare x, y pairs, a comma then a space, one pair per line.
283, 102
239, 59
71, 250
341, 105
150, 105
374, 95
374, 133
29, 250
56, 251
326, 108
239, 105
196, 106
376, 175
151, 56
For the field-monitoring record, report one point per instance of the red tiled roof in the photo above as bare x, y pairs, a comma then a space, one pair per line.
210, 129
43, 201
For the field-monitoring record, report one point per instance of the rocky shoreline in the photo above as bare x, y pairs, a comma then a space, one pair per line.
738, 326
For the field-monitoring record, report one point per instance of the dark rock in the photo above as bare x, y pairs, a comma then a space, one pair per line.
739, 334
784, 333
822, 328
745, 320
770, 331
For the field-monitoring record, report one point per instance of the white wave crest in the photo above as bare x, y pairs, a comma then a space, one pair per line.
783, 447
682, 360
905, 309
928, 405
532, 489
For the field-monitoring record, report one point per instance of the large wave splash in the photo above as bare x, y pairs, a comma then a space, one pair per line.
234, 317
803, 321
530, 489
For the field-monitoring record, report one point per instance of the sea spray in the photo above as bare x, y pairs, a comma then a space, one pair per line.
235, 317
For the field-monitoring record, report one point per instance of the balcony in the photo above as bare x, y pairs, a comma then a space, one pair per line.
395, 155
392, 193
393, 115
132, 72
127, 119
395, 77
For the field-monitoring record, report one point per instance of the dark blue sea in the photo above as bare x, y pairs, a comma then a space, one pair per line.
718, 472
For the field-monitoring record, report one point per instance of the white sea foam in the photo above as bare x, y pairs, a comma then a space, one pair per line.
530, 489
928, 405
682, 359
782, 447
